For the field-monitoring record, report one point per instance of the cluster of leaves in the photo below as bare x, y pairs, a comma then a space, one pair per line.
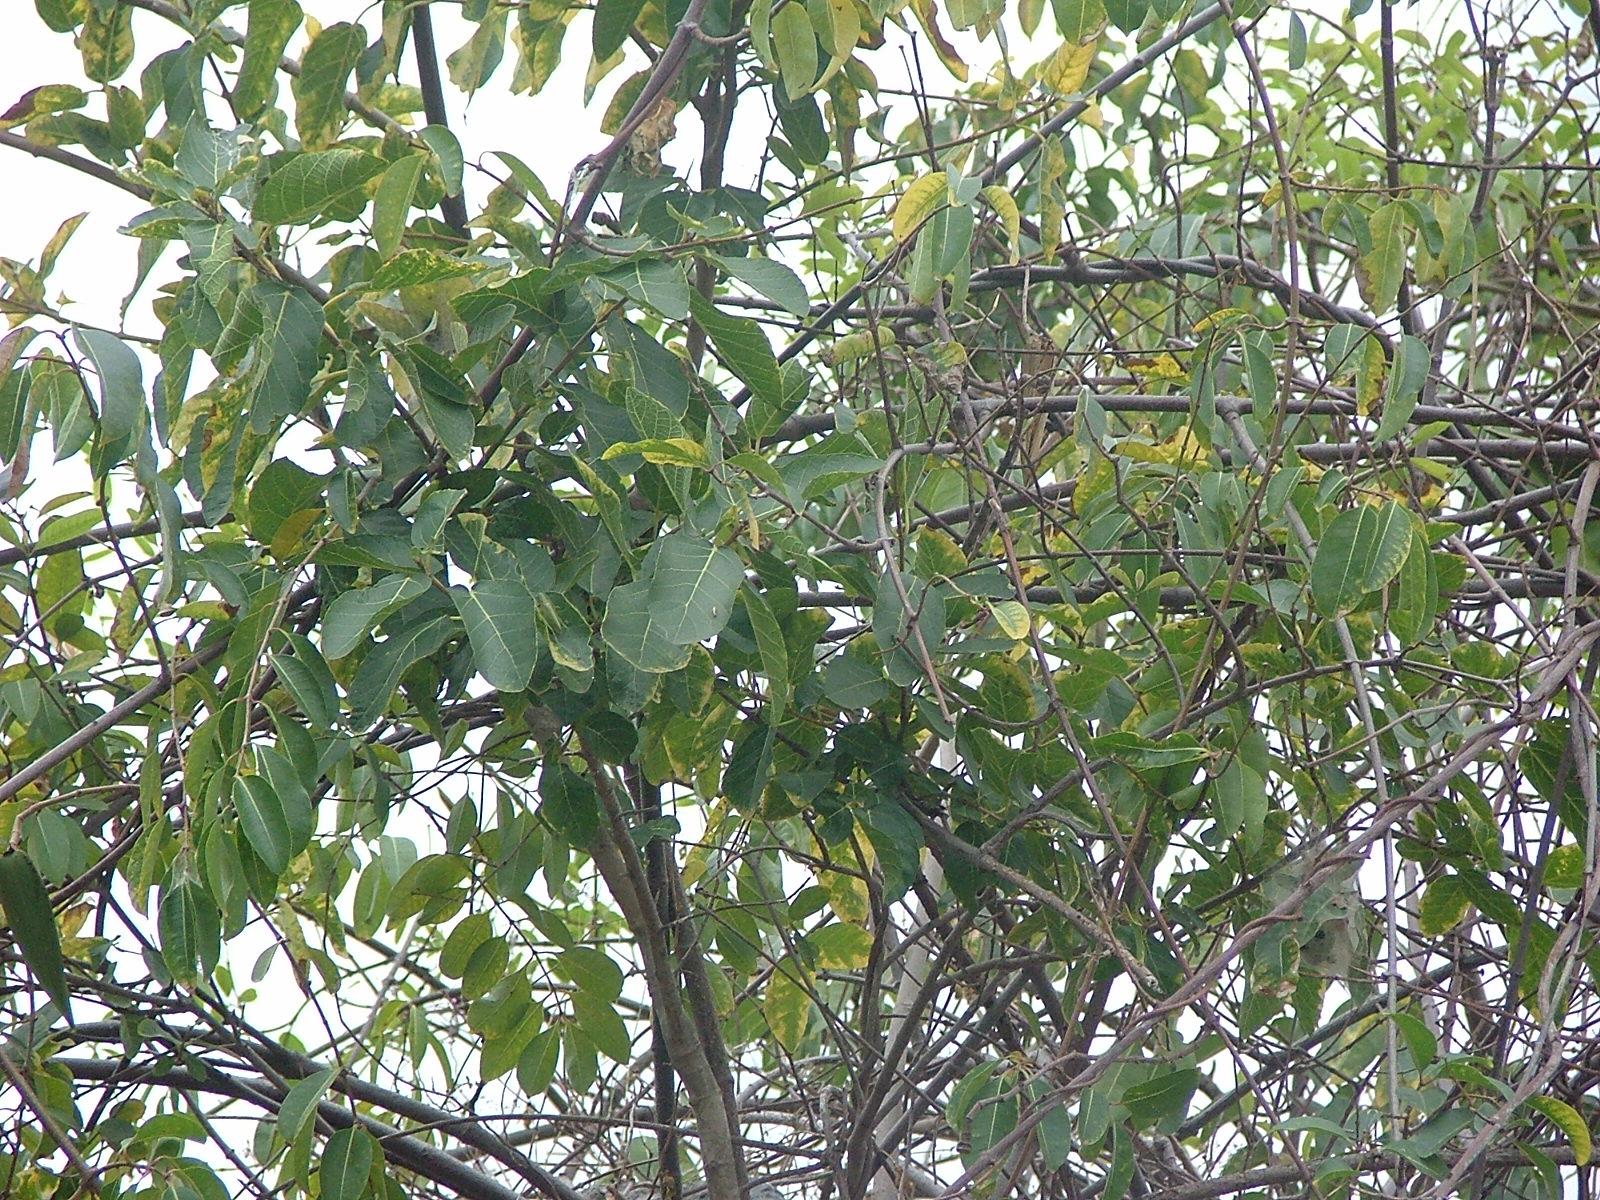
1036, 642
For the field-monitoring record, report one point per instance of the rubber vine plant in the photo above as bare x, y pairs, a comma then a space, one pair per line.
985, 600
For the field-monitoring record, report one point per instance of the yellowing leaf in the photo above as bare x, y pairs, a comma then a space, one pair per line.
938, 553
663, 452
847, 895
1567, 1119
1005, 207
1222, 318
926, 196
1182, 449
1012, 617
1068, 67
1052, 210
1380, 270
787, 1007
860, 344
842, 947
1157, 368
928, 14
1371, 371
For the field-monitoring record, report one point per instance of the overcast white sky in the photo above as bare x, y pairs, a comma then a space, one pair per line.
551, 132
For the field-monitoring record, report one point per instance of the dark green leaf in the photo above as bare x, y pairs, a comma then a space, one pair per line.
1162, 1098
31, 920
191, 932
774, 654
613, 20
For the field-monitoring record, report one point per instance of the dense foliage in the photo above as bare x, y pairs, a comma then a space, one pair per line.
991, 600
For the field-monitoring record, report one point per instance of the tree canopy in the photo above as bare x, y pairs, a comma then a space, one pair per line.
991, 599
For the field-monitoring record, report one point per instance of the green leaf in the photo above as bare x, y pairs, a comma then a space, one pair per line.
636, 631
190, 928
288, 350
309, 681
1567, 1119
31, 920
656, 283
391, 205
761, 34
1444, 906
1127, 15
743, 347
447, 150
412, 267
1079, 20
1407, 374
795, 42
121, 382
750, 765
1419, 1039
1055, 1137
347, 1163
353, 613
1360, 551
500, 622
380, 671
319, 111
1163, 1098
1262, 372
1297, 42
854, 680
600, 1023
205, 158
1380, 270
301, 1101
283, 489
1121, 1173
1241, 798
771, 278
1411, 608
265, 819
692, 587
309, 185
592, 970
271, 23
774, 654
